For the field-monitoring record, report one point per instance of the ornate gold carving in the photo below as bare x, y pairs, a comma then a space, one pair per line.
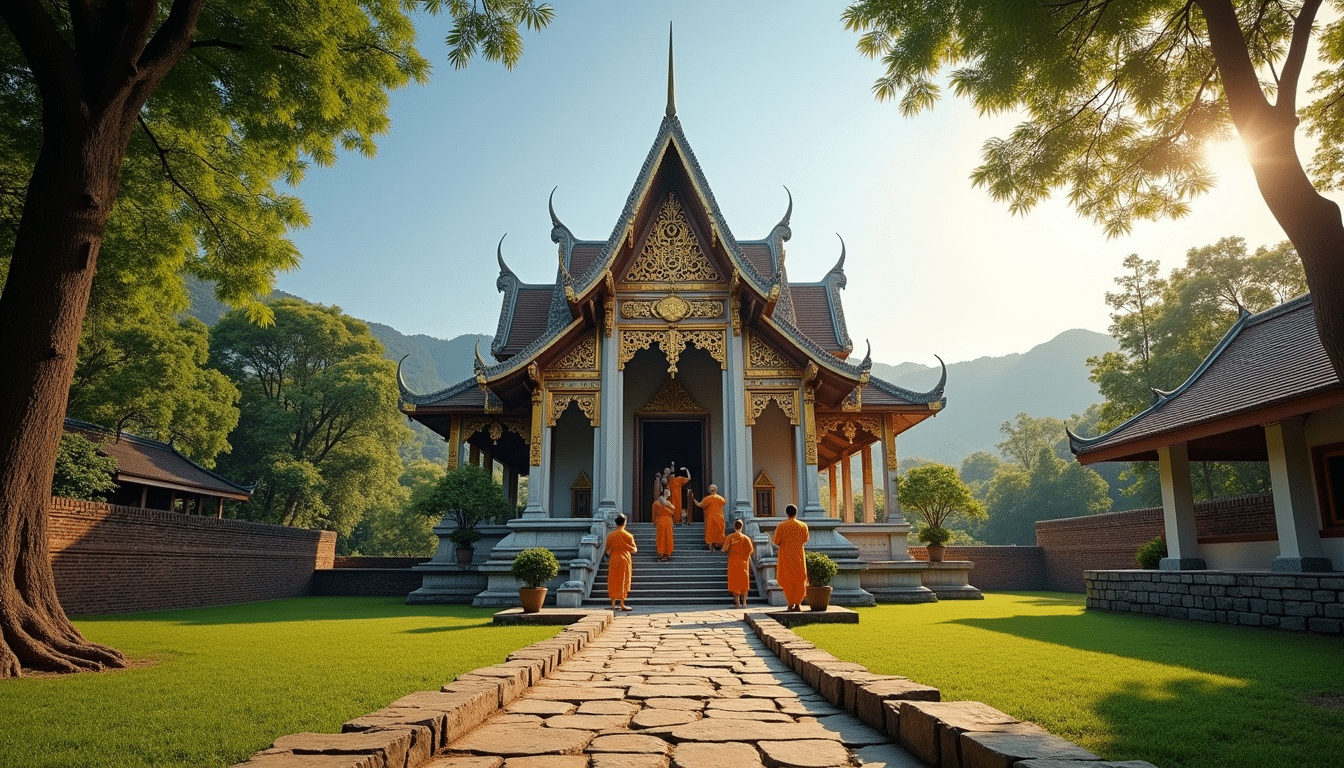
889, 441
849, 426
454, 440
672, 254
492, 402
670, 308
495, 428
763, 357
809, 412
582, 482
560, 400
672, 397
763, 481
787, 400
609, 304
632, 342
853, 401
673, 342
581, 357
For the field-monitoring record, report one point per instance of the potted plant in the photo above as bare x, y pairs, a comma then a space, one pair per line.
820, 570
534, 567
464, 498
936, 493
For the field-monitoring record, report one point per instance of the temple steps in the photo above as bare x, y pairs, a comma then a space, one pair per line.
694, 575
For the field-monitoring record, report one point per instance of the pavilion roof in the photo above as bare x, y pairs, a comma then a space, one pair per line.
150, 462
1268, 366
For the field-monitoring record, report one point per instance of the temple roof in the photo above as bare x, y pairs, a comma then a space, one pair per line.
149, 462
1268, 366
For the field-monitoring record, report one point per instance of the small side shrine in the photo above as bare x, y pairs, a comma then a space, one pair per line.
670, 341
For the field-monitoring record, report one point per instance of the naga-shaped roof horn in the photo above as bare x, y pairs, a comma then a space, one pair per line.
560, 234
782, 228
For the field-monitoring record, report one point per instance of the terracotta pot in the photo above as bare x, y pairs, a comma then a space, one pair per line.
936, 552
464, 555
818, 598
532, 598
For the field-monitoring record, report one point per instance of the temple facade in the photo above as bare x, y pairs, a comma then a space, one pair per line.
673, 342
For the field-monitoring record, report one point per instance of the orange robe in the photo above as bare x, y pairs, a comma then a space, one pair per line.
790, 570
713, 506
620, 545
662, 523
675, 484
739, 549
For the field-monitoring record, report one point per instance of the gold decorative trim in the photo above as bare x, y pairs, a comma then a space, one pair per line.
672, 397
454, 440
582, 483
765, 360
671, 309
889, 441
809, 413
672, 253
763, 481
673, 342
493, 427
580, 357
561, 399
849, 426
853, 401
787, 401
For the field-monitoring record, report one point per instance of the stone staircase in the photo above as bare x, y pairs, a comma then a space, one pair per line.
694, 575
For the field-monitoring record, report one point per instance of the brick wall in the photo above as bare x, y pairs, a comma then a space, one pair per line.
1105, 542
115, 559
997, 568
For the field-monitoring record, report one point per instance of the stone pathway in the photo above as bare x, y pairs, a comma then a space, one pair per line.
693, 689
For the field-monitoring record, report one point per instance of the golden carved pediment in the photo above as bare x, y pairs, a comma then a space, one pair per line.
672, 397
672, 253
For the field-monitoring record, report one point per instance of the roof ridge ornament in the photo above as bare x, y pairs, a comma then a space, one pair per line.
839, 268
671, 89
499, 256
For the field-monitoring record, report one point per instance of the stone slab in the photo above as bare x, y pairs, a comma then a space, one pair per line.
675, 703
719, 729
869, 698
1003, 750
531, 706
764, 717
282, 758
886, 756
662, 718
576, 693
588, 722
547, 761
727, 755
520, 740
388, 746
628, 760
609, 708
804, 754
630, 742
465, 762
742, 705
852, 731
659, 691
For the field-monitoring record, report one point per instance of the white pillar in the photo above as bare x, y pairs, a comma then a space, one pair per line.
608, 451
736, 437
1178, 510
1295, 513
539, 480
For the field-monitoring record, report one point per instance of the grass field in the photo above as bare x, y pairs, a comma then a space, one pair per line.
1179, 694
210, 686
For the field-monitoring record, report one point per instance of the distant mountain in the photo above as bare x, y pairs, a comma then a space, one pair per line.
1049, 380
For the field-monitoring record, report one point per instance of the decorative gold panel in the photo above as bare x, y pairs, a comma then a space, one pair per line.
581, 357
560, 400
673, 342
849, 426
670, 308
788, 403
493, 427
763, 357
672, 397
672, 254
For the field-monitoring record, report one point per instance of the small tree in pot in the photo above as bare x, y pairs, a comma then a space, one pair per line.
936, 493
820, 570
467, 496
535, 568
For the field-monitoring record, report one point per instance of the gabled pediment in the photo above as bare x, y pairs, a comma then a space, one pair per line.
671, 252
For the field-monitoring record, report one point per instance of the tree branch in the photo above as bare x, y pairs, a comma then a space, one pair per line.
1297, 52
168, 171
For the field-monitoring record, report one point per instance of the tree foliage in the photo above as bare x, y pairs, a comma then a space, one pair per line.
319, 429
466, 496
1119, 100
937, 494
1025, 436
1052, 488
81, 472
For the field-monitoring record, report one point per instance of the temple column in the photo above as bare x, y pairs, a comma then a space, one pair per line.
809, 501
890, 500
539, 468
607, 449
473, 455
869, 506
1295, 514
834, 490
454, 441
1178, 510
847, 486
736, 437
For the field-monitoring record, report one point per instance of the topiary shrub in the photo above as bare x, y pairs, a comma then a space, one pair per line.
930, 534
535, 567
820, 569
1151, 553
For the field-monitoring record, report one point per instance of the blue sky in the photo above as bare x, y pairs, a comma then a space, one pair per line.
769, 95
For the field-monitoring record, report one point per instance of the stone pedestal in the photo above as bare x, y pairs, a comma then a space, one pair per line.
898, 581
950, 580
566, 537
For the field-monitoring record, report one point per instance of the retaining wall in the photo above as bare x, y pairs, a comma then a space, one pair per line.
997, 568
369, 577
114, 559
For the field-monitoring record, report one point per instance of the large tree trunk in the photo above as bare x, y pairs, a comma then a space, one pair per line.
91, 97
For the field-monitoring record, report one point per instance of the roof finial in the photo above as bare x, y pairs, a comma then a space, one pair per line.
671, 91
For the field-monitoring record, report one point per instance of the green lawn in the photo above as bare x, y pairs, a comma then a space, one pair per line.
1179, 694
211, 686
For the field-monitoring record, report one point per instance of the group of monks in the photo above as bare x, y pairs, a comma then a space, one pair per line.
790, 536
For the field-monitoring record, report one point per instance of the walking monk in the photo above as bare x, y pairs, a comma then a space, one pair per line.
790, 569
713, 506
620, 546
662, 524
674, 484
738, 547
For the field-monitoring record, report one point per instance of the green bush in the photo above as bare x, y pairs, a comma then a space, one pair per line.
81, 473
1151, 553
535, 567
468, 496
930, 534
820, 569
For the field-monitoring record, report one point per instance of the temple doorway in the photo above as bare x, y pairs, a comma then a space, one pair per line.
661, 441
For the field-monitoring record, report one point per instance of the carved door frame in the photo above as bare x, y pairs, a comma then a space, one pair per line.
643, 495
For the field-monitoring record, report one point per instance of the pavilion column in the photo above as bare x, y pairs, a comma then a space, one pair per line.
1295, 514
608, 451
539, 469
809, 495
473, 455
1178, 510
511, 485
454, 441
869, 506
834, 489
891, 502
847, 483
736, 437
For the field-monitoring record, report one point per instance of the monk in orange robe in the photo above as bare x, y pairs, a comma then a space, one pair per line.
620, 546
738, 547
662, 524
790, 569
713, 507
674, 484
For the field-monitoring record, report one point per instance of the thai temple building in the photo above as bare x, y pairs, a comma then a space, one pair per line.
672, 341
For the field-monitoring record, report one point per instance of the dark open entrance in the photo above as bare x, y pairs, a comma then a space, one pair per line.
662, 441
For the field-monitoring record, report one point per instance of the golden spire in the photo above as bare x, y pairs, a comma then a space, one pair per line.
671, 91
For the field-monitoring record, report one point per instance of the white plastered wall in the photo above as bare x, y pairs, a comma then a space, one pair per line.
571, 453
772, 450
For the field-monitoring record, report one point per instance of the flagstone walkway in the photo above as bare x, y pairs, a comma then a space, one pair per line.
693, 689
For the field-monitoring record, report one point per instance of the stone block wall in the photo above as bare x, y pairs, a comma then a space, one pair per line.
114, 559
997, 568
1295, 602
